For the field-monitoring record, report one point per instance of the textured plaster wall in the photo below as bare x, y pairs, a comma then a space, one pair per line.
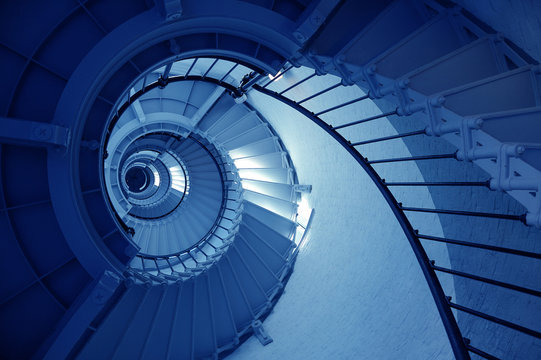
357, 291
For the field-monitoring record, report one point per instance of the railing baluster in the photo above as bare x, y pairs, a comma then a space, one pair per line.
375, 117
204, 253
320, 93
415, 158
210, 68
209, 243
361, 98
413, 133
181, 262
169, 264
488, 281
496, 320
191, 67
480, 246
193, 258
167, 70
466, 213
297, 83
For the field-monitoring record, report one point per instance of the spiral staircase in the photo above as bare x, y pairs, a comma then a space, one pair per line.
149, 209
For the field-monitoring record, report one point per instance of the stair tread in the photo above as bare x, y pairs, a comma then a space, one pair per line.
270, 160
133, 339
225, 329
436, 39
158, 339
386, 29
102, 343
277, 190
180, 344
282, 207
261, 147
467, 64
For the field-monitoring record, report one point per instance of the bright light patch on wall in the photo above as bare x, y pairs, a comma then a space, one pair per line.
156, 177
304, 214
178, 182
276, 77
304, 210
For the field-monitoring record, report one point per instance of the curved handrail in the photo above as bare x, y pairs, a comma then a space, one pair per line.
156, 84
442, 303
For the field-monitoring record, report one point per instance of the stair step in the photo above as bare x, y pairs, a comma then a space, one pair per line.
156, 344
134, 337
201, 167
216, 112
470, 63
239, 307
199, 159
196, 176
267, 161
180, 343
230, 117
270, 256
184, 232
516, 126
203, 182
162, 239
187, 146
280, 191
224, 325
102, 343
284, 208
194, 224
432, 41
252, 289
265, 146
257, 133
278, 175
512, 90
270, 235
264, 274
204, 344
390, 26
282, 225
194, 155
349, 18
244, 124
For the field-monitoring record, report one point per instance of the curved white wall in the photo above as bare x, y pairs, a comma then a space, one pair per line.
357, 291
